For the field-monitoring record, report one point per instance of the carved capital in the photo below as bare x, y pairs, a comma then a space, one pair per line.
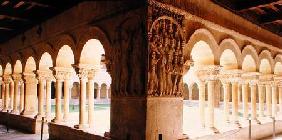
7, 79
30, 78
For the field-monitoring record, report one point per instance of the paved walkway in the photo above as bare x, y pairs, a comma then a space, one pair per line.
16, 135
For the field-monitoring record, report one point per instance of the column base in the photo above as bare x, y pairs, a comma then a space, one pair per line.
213, 130
39, 117
15, 112
57, 120
81, 126
255, 121
236, 124
29, 114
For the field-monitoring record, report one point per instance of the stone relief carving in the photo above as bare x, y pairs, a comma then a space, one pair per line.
166, 61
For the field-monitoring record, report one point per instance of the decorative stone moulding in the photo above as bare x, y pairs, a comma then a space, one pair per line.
17, 76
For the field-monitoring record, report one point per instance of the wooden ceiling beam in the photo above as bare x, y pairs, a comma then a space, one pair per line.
2, 16
270, 18
6, 28
271, 4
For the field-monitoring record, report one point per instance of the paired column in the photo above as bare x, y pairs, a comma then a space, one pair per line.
48, 99
99, 92
22, 95
59, 82
3, 93
253, 100
268, 99
211, 85
42, 83
90, 92
235, 102
202, 90
274, 99
226, 92
82, 98
7, 80
245, 94
17, 78
67, 84
261, 90
12, 92
30, 107
280, 97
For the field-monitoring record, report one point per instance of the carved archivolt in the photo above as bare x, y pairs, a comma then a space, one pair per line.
166, 61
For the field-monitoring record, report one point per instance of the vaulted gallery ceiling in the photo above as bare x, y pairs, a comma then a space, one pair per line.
265, 13
16, 16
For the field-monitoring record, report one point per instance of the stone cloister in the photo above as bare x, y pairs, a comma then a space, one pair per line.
150, 64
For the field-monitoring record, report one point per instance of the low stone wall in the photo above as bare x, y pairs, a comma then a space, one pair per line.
61, 132
258, 132
21, 123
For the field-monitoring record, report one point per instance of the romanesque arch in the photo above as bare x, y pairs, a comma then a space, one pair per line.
250, 59
266, 63
65, 57
18, 67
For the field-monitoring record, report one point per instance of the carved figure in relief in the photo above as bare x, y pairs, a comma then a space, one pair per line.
153, 80
169, 83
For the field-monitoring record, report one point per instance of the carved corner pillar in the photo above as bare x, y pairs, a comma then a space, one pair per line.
165, 73
30, 107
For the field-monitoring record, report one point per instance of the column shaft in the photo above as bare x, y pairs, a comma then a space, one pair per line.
12, 92
16, 95
99, 92
253, 101
268, 100
202, 91
90, 92
245, 95
226, 92
41, 98
235, 102
280, 98
261, 99
274, 100
211, 85
22, 97
66, 99
82, 103
6, 97
48, 99
58, 117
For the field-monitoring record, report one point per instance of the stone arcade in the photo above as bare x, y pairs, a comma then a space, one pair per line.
145, 59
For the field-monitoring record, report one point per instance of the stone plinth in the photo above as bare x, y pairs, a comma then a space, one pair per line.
164, 118
22, 123
60, 132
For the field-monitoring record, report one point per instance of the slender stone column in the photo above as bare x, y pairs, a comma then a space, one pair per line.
261, 99
274, 99
42, 83
107, 93
226, 92
90, 92
239, 93
253, 100
31, 104
235, 101
12, 92
48, 99
22, 96
98, 92
245, 95
16, 93
268, 100
67, 97
58, 116
211, 84
190, 93
280, 97
3, 94
82, 98
6, 97
202, 90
